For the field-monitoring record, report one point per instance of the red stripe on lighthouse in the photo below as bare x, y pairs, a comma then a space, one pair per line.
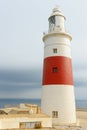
57, 70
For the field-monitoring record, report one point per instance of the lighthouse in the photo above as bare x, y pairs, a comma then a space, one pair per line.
58, 100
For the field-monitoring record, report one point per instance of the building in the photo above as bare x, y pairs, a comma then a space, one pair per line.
25, 116
28, 116
58, 99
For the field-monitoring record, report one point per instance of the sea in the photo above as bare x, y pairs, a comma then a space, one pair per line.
8, 102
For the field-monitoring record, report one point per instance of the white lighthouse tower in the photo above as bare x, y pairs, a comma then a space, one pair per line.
58, 99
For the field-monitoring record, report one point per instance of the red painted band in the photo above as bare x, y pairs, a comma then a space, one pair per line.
57, 70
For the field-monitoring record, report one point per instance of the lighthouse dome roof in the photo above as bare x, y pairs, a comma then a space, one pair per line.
57, 11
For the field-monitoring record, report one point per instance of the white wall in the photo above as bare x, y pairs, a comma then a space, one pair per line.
14, 122
9, 123
59, 98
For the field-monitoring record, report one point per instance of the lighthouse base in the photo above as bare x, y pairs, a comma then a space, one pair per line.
58, 102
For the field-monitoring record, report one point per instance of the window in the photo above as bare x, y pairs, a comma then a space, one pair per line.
52, 23
54, 114
55, 69
52, 19
55, 50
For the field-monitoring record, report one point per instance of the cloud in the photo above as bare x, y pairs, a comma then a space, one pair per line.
81, 93
20, 83
18, 75
20, 90
80, 75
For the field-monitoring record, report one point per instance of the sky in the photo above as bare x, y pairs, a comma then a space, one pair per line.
22, 23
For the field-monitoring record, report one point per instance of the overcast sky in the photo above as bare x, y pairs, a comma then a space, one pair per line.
22, 23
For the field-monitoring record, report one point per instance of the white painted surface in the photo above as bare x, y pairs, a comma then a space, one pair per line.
56, 37
62, 50
60, 23
14, 122
9, 123
59, 98
62, 44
